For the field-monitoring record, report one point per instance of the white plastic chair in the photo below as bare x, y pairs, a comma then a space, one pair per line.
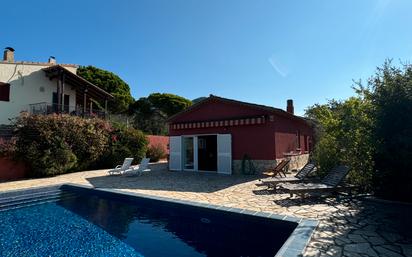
119, 169
142, 168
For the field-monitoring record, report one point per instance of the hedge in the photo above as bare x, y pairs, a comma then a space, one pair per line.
156, 153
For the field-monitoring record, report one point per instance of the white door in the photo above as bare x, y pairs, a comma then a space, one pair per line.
224, 154
175, 149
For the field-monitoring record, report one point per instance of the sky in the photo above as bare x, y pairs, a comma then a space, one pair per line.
257, 51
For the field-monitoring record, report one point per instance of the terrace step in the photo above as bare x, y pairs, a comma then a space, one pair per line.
33, 199
28, 195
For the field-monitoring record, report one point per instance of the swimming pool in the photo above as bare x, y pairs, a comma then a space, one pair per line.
72, 220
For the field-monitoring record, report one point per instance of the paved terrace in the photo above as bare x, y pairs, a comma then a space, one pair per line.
347, 228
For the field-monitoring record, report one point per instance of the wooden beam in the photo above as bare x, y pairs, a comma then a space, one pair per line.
62, 93
84, 100
105, 106
58, 95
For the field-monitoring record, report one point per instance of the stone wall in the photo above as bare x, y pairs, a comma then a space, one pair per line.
260, 165
296, 163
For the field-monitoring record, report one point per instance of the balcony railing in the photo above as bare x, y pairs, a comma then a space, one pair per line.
50, 108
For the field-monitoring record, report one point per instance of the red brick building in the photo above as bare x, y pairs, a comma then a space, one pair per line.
217, 133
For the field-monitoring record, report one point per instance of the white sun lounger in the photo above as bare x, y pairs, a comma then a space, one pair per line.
139, 170
119, 169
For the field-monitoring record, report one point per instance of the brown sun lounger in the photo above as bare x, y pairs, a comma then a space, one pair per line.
330, 183
278, 170
300, 176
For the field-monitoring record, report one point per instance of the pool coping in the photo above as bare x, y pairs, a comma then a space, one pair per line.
294, 246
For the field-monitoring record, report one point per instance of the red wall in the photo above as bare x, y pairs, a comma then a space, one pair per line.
286, 136
163, 141
11, 170
257, 141
260, 141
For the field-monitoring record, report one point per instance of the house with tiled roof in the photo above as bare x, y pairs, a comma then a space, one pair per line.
46, 87
228, 136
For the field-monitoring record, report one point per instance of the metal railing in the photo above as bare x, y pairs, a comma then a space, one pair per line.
50, 108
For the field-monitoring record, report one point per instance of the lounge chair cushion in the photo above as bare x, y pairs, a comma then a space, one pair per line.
270, 181
304, 186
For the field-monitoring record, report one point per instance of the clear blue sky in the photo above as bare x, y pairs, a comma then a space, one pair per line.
257, 51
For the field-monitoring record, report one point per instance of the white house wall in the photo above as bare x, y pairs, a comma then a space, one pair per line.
25, 82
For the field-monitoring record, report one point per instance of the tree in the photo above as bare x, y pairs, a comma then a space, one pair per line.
390, 92
343, 136
150, 113
112, 84
196, 100
371, 132
168, 103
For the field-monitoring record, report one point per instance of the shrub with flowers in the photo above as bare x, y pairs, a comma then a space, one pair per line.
124, 142
57, 144
156, 153
7, 147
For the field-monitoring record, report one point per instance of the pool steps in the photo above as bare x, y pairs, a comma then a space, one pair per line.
33, 198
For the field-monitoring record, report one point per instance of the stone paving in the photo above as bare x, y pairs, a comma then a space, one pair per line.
349, 227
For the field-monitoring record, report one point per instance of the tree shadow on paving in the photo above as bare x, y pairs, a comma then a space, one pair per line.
268, 191
357, 226
312, 200
172, 181
263, 191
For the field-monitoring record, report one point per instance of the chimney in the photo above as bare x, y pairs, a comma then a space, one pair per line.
52, 60
8, 54
289, 106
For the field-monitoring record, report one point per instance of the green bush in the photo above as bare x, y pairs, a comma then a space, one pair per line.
124, 142
371, 132
7, 147
57, 144
390, 91
343, 134
156, 153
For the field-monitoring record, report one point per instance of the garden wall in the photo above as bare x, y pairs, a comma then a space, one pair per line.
159, 140
11, 170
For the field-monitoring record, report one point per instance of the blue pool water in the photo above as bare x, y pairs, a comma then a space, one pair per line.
51, 230
86, 223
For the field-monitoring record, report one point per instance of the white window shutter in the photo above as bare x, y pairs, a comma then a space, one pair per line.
175, 153
224, 154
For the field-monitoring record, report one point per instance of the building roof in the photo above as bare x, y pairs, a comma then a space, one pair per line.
76, 80
251, 105
40, 63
